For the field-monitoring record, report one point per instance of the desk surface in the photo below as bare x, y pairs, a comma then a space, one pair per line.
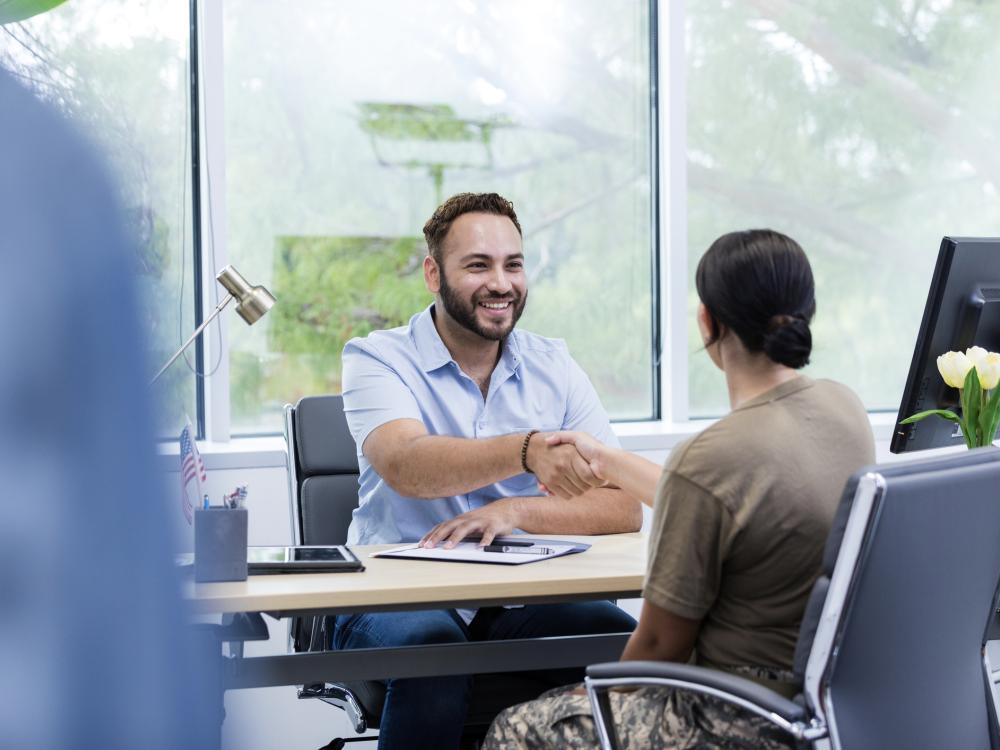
613, 567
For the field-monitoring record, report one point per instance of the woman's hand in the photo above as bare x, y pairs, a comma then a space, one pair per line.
590, 449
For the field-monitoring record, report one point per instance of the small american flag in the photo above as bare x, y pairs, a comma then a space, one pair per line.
192, 473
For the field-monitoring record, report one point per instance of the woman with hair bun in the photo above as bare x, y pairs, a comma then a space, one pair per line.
741, 514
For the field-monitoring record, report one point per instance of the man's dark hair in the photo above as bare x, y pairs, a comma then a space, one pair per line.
759, 284
440, 222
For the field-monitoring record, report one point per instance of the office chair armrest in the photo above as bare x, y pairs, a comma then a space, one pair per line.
759, 700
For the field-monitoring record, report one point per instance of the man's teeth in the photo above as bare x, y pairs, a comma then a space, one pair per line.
495, 305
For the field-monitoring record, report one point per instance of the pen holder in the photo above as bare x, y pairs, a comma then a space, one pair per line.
220, 544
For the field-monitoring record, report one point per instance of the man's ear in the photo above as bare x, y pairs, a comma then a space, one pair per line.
432, 275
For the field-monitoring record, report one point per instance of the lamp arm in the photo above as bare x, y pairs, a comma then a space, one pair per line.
186, 344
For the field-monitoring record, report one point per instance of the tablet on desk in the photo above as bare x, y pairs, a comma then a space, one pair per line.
328, 559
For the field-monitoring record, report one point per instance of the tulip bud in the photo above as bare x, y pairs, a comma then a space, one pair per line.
954, 366
988, 370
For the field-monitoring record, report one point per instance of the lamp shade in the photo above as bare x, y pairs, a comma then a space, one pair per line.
252, 301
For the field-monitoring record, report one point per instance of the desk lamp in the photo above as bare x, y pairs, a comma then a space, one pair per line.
253, 303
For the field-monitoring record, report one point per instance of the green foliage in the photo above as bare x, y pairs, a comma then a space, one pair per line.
431, 122
989, 418
972, 396
12, 11
943, 413
331, 289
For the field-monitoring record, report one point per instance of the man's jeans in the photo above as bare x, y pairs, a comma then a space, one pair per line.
429, 712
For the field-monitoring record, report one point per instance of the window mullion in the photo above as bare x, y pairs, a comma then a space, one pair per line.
213, 214
672, 133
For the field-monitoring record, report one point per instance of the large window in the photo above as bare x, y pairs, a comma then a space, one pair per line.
347, 123
867, 131
118, 69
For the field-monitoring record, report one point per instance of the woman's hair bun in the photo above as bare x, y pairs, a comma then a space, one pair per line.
788, 340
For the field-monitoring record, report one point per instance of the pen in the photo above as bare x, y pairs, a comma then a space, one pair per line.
521, 549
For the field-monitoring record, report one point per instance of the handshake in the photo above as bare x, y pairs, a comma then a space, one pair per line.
567, 464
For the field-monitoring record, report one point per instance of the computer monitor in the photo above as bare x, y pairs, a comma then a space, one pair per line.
962, 310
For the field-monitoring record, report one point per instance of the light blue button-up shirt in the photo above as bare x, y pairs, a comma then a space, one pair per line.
408, 373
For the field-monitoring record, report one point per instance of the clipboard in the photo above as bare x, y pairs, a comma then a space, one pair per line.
472, 552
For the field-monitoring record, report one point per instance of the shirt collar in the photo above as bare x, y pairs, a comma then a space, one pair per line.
431, 351
796, 384
433, 354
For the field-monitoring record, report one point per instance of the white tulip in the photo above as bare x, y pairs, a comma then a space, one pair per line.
988, 370
954, 366
977, 354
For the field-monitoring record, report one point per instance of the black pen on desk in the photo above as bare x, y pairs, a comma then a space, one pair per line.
521, 549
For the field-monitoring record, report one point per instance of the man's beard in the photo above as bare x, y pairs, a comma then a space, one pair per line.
465, 314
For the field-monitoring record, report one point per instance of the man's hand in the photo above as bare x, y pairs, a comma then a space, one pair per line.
561, 468
496, 519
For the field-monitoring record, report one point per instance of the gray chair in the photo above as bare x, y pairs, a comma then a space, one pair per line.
323, 493
899, 644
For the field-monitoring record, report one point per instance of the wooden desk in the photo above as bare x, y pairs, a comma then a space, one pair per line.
612, 568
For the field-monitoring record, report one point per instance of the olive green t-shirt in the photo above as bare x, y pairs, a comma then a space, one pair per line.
742, 513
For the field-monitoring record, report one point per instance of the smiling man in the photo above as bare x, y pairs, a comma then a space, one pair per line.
449, 414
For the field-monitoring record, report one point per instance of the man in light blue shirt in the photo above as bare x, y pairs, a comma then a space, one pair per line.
449, 414
408, 374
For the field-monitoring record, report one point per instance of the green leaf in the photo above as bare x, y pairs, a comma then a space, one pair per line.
989, 420
972, 399
943, 413
12, 11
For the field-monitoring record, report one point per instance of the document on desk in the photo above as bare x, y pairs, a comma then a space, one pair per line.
503, 551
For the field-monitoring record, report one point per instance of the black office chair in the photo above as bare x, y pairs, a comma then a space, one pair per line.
323, 493
899, 644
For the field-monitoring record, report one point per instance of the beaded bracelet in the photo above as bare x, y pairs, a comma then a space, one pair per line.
524, 452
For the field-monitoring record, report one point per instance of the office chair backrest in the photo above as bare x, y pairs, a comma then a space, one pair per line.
814, 608
817, 598
905, 665
325, 471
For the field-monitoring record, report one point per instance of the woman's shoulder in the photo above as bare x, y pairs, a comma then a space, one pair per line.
836, 388
837, 404
705, 459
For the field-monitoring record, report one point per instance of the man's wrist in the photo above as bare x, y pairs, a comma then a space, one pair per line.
512, 508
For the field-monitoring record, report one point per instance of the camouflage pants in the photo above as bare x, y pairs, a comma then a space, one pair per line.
648, 718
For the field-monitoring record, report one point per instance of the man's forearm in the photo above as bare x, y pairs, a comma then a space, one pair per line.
597, 511
434, 466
